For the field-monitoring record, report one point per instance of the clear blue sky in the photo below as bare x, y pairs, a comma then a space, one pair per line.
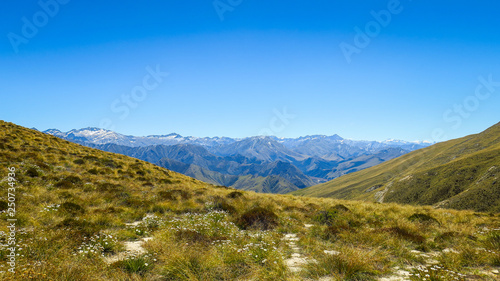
231, 69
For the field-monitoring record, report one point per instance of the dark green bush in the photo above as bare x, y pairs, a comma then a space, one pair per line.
4, 205
69, 182
79, 161
174, 194
341, 208
422, 218
234, 195
32, 172
109, 187
192, 236
110, 163
90, 158
326, 217
329, 216
134, 202
93, 171
221, 205
81, 228
331, 232
258, 218
404, 234
71, 208
446, 236
166, 181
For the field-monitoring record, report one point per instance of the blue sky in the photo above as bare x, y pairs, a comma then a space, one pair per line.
237, 68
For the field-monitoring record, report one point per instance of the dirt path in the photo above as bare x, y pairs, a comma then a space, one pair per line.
297, 260
132, 248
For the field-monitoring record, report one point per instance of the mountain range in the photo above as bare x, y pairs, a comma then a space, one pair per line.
460, 174
261, 163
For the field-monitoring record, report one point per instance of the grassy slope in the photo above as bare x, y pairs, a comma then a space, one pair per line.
73, 204
460, 173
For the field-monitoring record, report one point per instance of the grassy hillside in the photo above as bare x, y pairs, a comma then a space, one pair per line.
461, 174
84, 214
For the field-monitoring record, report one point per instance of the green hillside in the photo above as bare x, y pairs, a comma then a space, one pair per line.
460, 174
85, 214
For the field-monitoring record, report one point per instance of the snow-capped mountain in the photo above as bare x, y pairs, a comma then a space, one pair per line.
256, 163
315, 145
102, 136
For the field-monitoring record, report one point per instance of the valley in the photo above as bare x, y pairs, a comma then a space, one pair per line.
263, 164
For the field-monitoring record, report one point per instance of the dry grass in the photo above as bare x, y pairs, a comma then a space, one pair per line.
75, 205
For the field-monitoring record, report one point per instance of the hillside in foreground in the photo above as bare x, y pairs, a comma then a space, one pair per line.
459, 174
85, 214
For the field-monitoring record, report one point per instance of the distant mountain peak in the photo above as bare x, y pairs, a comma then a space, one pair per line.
92, 129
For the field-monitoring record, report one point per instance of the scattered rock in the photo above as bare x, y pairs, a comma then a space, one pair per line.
449, 250
333, 253
296, 262
131, 248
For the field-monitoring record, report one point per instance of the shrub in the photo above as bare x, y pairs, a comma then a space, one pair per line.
107, 186
446, 236
404, 234
332, 231
90, 158
93, 171
69, 182
220, 204
422, 218
32, 172
174, 194
341, 208
110, 163
135, 202
234, 195
166, 181
192, 236
3, 205
108, 210
81, 227
258, 218
71, 208
329, 217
